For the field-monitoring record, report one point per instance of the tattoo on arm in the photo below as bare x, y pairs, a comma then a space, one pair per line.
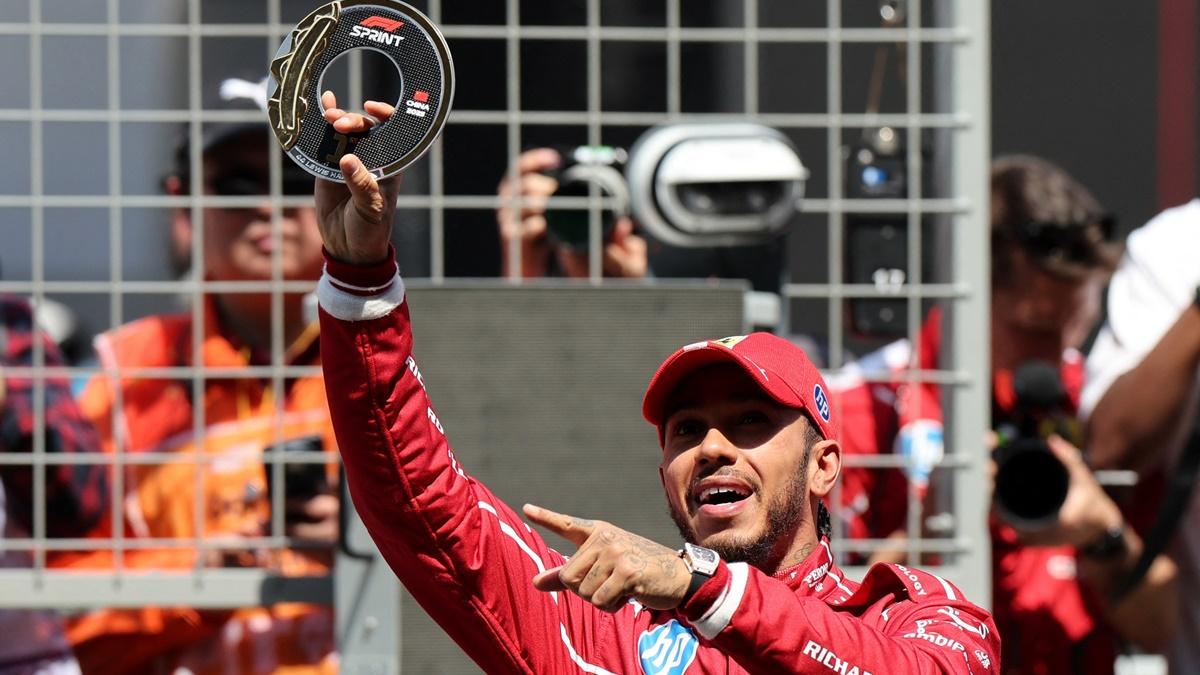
653, 551
669, 568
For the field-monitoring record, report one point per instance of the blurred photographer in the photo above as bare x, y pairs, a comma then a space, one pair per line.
1141, 394
542, 253
1053, 570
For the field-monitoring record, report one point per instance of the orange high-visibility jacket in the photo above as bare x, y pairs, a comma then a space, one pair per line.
241, 416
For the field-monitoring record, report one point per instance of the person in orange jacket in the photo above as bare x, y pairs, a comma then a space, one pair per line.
242, 412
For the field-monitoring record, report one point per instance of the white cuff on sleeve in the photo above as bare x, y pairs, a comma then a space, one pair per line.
721, 613
350, 307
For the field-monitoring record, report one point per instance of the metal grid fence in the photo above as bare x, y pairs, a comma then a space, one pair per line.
95, 135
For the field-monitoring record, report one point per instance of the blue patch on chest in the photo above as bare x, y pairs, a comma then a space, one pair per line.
667, 649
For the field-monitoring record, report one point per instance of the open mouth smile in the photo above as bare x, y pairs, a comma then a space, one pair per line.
720, 497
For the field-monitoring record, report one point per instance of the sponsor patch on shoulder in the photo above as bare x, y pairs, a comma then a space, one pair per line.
667, 649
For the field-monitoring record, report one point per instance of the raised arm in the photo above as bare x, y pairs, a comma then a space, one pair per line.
461, 552
1136, 418
1142, 370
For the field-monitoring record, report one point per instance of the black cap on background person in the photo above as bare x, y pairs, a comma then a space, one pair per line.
238, 108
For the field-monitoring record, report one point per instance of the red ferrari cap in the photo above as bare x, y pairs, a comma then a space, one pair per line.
781, 368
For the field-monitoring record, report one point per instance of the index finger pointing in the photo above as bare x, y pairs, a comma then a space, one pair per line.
574, 530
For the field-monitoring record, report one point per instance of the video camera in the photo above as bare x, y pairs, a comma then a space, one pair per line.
690, 185
1031, 483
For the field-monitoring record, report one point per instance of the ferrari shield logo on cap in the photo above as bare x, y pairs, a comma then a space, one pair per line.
730, 341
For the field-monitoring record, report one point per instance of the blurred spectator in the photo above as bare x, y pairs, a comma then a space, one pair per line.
242, 415
1052, 251
62, 326
33, 642
1141, 394
543, 255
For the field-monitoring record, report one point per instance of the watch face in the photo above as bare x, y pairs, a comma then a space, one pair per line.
701, 559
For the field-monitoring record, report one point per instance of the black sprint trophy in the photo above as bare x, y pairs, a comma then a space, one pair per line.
408, 38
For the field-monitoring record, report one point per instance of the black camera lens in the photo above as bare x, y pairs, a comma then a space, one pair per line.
589, 171
570, 227
1031, 484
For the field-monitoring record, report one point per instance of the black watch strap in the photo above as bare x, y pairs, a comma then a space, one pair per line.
702, 563
698, 580
1107, 546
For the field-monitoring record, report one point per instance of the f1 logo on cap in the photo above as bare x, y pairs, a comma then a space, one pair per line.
822, 401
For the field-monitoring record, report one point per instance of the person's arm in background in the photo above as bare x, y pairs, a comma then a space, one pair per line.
1142, 369
76, 494
525, 225
1147, 616
1137, 417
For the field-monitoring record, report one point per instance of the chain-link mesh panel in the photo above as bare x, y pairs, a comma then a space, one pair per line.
101, 94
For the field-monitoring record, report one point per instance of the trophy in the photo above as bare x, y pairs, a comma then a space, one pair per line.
408, 38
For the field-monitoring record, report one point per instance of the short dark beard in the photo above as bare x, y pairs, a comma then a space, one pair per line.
784, 515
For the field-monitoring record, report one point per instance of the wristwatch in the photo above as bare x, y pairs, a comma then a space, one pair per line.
702, 563
1107, 546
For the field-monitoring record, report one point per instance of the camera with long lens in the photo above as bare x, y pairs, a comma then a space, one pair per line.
1031, 483
688, 185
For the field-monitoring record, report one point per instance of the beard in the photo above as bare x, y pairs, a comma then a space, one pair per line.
785, 512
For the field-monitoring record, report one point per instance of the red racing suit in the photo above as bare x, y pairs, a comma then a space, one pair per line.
469, 559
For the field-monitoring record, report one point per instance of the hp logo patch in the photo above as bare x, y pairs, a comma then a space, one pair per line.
667, 650
822, 401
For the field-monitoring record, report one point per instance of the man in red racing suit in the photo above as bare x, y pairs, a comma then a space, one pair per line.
725, 410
